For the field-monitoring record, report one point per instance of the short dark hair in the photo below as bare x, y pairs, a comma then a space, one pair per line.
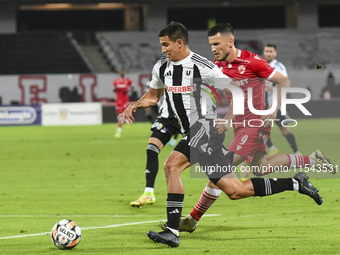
272, 45
175, 30
223, 28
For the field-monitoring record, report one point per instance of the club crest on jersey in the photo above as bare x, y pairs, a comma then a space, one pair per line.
241, 69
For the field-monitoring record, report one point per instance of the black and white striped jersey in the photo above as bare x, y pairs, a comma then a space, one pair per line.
186, 95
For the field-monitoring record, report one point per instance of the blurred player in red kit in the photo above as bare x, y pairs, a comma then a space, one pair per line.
121, 86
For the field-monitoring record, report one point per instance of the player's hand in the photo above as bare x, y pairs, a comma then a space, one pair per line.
268, 119
127, 113
223, 126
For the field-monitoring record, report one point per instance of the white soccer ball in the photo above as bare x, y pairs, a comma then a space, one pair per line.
66, 234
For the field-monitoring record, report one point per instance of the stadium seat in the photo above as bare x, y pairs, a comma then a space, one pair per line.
38, 53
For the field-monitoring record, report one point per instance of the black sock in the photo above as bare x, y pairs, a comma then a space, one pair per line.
291, 140
174, 205
151, 170
266, 187
269, 142
176, 135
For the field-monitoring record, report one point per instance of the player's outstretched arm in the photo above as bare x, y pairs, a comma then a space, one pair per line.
281, 81
147, 100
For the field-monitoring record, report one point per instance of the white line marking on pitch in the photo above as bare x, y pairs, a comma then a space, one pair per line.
72, 216
109, 226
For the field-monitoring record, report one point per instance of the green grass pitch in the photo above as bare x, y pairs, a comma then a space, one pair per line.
83, 173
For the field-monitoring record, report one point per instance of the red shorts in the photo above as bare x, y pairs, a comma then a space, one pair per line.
248, 141
121, 106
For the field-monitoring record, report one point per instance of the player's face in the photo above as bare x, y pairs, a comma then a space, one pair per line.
221, 45
122, 73
170, 48
269, 54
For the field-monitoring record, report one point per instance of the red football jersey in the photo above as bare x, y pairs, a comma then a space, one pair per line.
122, 86
248, 70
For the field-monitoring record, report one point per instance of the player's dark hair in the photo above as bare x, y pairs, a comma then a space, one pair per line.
175, 30
272, 45
223, 28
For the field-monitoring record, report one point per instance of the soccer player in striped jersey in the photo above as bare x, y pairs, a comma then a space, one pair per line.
249, 143
180, 75
270, 54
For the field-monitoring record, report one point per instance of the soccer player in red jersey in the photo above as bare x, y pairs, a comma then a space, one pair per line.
121, 86
248, 70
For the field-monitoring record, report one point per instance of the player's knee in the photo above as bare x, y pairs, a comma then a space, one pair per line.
285, 130
235, 194
238, 192
210, 184
170, 168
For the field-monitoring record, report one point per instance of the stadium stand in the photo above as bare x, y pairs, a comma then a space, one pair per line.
134, 51
39, 52
52, 52
297, 48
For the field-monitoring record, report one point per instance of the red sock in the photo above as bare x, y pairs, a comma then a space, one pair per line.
208, 197
298, 160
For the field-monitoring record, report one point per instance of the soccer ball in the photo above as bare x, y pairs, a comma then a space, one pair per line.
66, 234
